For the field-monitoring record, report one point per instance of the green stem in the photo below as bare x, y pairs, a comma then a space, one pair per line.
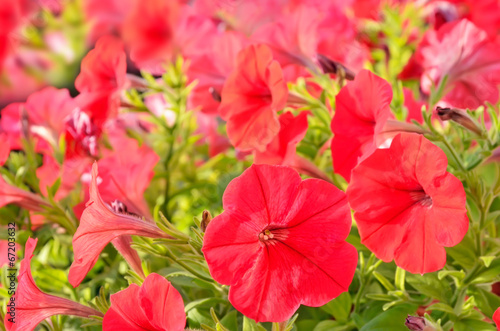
454, 154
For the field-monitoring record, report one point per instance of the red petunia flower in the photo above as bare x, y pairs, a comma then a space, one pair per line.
280, 243
281, 150
252, 95
211, 69
407, 206
99, 225
156, 305
361, 113
101, 79
293, 38
32, 306
104, 67
148, 30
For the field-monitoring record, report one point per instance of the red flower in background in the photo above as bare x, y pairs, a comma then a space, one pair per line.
99, 225
148, 30
32, 306
46, 112
281, 150
407, 206
104, 67
211, 69
280, 243
101, 80
293, 37
156, 305
496, 318
361, 113
468, 57
252, 95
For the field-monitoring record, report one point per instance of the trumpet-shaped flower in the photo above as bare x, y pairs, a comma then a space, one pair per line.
99, 225
251, 97
280, 242
32, 305
407, 206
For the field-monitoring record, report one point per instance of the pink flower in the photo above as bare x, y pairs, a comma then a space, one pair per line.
99, 225
468, 57
280, 242
155, 305
32, 306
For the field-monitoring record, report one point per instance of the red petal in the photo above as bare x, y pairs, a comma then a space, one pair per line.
273, 188
362, 110
162, 303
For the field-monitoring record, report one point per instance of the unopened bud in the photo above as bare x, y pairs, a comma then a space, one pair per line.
459, 116
333, 67
205, 219
25, 122
416, 323
215, 94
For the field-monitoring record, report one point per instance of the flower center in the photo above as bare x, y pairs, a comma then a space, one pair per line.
272, 236
421, 197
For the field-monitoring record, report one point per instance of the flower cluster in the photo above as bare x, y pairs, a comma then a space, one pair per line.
348, 150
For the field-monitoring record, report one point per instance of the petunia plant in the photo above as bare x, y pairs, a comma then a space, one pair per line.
250, 165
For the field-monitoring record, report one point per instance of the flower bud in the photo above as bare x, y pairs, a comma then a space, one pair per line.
459, 116
417, 323
333, 67
205, 219
215, 94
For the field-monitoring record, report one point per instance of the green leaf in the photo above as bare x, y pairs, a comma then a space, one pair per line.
340, 307
203, 303
230, 321
486, 301
463, 253
441, 307
489, 274
250, 325
326, 325
487, 260
390, 320
473, 325
430, 285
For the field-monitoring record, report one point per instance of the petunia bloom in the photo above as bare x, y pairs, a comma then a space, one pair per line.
280, 242
361, 113
407, 206
32, 306
101, 79
148, 30
156, 305
99, 225
251, 97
